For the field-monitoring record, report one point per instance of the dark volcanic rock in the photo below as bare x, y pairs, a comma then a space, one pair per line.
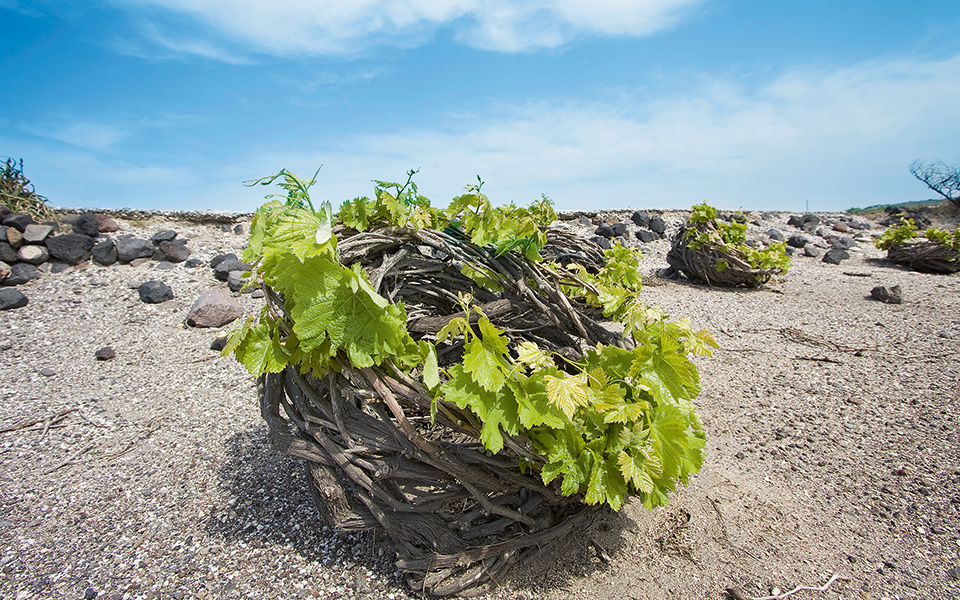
657, 225
222, 270
214, 308
812, 251
7, 253
130, 249
602, 242
604, 231
19, 221
619, 229
21, 273
640, 218
891, 295
155, 292
216, 260
11, 298
193, 263
835, 256
797, 241
71, 248
106, 353
172, 251
775, 235
219, 343
646, 236
238, 230
86, 224
167, 235
105, 253
236, 281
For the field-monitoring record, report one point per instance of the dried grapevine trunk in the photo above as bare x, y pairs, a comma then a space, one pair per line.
699, 263
458, 516
926, 256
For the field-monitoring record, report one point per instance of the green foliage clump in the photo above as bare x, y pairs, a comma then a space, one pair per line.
897, 235
705, 230
616, 422
19, 195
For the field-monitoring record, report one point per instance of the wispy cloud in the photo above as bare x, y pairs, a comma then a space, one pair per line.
150, 41
29, 11
87, 135
334, 27
826, 134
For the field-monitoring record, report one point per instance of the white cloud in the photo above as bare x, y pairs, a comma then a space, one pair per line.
307, 27
836, 136
86, 135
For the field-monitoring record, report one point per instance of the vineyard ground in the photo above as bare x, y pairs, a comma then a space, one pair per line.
832, 422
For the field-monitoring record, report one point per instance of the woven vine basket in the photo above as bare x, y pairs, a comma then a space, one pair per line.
699, 262
458, 516
925, 256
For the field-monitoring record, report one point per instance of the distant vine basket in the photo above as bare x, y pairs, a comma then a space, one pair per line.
926, 256
459, 516
713, 264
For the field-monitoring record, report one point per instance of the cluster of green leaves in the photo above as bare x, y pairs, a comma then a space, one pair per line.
507, 228
705, 229
19, 195
395, 204
615, 423
907, 230
615, 288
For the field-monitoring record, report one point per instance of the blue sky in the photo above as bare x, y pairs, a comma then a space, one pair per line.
754, 104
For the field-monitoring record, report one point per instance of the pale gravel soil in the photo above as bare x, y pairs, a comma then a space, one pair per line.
833, 448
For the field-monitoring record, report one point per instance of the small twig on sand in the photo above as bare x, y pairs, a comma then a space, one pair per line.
823, 588
31, 422
70, 459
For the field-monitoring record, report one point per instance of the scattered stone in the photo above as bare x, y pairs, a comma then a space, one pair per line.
11, 298
812, 251
602, 242
155, 292
810, 222
7, 253
835, 256
214, 308
775, 235
258, 293
58, 267
36, 233
216, 260
33, 254
640, 218
646, 236
14, 237
4, 270
18, 221
106, 225
104, 253
219, 343
21, 273
847, 242
225, 228
193, 263
954, 572
47, 372
657, 225
795, 221
167, 235
130, 249
797, 241
585, 221
238, 229
236, 281
86, 224
891, 295
604, 230
137, 262
222, 270
619, 229
89, 594
841, 227
105, 353
164, 265
171, 251
71, 248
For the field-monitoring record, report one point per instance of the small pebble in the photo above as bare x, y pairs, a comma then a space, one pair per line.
106, 353
47, 372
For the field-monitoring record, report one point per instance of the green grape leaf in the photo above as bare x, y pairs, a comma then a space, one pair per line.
634, 470
260, 350
567, 392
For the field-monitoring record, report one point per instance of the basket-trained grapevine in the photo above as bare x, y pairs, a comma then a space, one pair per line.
934, 251
714, 252
472, 380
